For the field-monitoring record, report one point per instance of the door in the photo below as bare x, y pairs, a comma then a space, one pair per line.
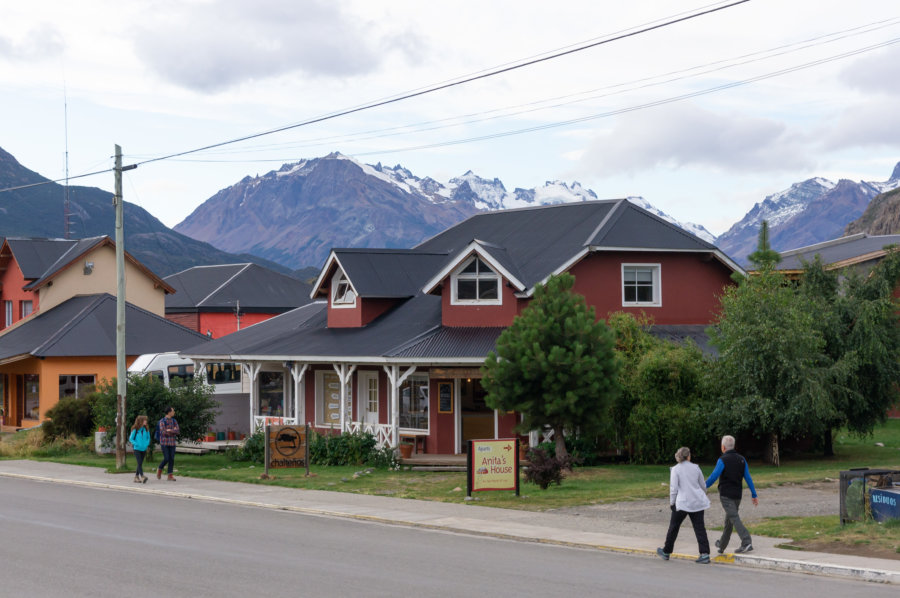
477, 417
368, 397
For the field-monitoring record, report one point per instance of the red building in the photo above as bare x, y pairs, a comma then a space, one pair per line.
219, 300
395, 343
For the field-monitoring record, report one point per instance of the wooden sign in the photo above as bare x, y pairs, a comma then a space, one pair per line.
493, 465
287, 446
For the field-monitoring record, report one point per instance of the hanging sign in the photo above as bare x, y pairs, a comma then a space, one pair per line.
493, 465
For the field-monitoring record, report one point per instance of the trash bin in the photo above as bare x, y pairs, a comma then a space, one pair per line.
856, 487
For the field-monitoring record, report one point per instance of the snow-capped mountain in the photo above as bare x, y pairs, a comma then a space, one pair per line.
296, 214
807, 213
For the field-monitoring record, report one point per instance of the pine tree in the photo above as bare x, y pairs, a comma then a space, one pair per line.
556, 364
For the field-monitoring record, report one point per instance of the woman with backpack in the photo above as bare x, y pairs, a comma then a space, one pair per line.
140, 441
168, 431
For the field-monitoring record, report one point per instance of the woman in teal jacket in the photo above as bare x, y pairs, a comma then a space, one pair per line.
140, 440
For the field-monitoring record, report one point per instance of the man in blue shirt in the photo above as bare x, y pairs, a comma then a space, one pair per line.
731, 470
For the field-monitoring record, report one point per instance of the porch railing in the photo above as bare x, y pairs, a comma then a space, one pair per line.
260, 421
381, 432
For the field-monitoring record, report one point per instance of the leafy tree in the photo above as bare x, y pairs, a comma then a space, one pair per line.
773, 377
195, 407
556, 364
633, 341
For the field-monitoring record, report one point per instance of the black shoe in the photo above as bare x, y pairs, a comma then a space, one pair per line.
703, 560
719, 546
744, 548
662, 554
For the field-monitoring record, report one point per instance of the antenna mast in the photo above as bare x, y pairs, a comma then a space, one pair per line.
66, 200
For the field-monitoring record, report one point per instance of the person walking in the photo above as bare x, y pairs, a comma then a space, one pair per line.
168, 436
687, 498
731, 469
140, 441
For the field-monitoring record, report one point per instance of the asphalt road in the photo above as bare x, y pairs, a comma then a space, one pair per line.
63, 540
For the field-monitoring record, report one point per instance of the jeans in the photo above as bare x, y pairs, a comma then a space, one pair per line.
732, 520
699, 530
168, 457
139, 457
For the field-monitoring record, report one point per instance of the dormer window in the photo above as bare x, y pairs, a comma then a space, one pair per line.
342, 294
475, 282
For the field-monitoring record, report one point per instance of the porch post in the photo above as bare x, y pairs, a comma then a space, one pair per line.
395, 380
251, 369
344, 373
298, 371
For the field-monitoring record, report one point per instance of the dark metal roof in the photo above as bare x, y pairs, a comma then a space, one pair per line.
837, 250
220, 288
451, 342
74, 251
86, 326
632, 227
35, 256
680, 334
388, 273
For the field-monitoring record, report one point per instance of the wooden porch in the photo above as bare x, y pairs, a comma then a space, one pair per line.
425, 462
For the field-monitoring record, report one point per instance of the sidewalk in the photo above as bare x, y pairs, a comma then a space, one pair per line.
548, 528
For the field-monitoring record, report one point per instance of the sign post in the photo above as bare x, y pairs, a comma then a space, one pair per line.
493, 465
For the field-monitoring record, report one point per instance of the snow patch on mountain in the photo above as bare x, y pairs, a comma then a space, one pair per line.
695, 229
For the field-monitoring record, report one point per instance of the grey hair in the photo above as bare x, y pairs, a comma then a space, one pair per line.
682, 454
728, 443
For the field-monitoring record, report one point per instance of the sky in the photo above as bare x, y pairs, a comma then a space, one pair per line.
703, 118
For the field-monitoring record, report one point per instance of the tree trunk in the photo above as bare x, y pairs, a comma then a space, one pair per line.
829, 445
771, 453
560, 438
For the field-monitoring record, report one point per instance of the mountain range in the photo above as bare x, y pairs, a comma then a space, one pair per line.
37, 211
296, 214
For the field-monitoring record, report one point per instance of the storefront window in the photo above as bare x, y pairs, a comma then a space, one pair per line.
414, 403
77, 387
271, 394
223, 373
32, 396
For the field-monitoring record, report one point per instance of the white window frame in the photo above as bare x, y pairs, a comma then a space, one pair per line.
26, 308
8, 313
337, 280
458, 275
656, 270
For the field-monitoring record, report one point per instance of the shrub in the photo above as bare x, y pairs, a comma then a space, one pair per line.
28, 444
545, 469
349, 448
69, 416
253, 449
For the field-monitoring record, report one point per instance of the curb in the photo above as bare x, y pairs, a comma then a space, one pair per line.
793, 566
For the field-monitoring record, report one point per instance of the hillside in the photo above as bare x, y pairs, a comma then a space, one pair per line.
882, 216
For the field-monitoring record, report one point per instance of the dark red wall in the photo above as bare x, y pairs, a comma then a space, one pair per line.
365, 311
479, 315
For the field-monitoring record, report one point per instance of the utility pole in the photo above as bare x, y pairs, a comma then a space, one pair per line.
120, 313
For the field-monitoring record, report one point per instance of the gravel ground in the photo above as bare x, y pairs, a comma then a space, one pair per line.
793, 500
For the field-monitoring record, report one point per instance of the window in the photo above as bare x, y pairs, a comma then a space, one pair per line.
271, 394
180, 372
25, 308
640, 284
223, 373
476, 282
328, 399
8, 311
32, 396
342, 294
414, 403
76, 386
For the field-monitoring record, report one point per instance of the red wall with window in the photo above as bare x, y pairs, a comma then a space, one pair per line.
361, 314
11, 282
473, 314
691, 285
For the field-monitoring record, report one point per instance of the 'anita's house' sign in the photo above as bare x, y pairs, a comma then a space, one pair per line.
493, 465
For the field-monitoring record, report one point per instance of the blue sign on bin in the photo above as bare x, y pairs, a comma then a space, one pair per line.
885, 503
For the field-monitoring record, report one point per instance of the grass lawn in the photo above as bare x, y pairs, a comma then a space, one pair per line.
825, 534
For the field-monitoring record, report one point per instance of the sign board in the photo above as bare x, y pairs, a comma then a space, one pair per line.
287, 446
885, 503
445, 397
493, 465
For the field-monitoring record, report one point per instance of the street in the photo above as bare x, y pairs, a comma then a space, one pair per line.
65, 540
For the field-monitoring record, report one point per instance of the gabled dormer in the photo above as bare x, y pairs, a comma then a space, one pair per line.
479, 286
362, 284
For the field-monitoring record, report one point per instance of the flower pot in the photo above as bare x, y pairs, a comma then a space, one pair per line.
232, 435
406, 451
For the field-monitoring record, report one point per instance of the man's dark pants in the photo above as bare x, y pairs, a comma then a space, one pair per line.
732, 520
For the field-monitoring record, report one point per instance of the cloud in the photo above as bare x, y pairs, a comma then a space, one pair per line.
217, 45
40, 43
687, 135
878, 72
874, 123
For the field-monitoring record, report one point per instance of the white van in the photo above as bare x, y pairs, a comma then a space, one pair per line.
226, 378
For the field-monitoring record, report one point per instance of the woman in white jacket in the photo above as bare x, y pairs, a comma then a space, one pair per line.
687, 498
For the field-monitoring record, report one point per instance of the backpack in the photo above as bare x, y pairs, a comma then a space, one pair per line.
158, 431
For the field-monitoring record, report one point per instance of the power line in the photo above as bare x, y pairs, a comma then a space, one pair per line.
439, 87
